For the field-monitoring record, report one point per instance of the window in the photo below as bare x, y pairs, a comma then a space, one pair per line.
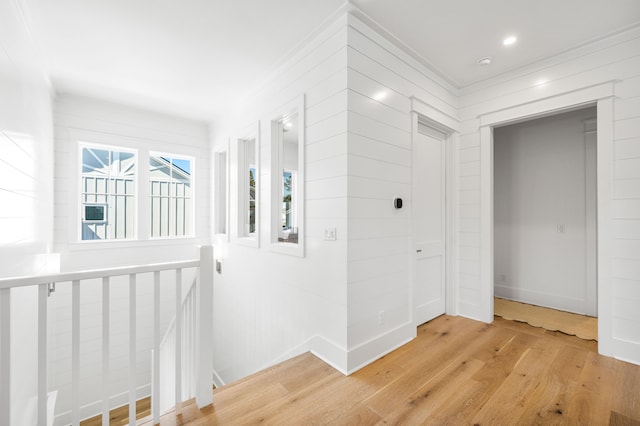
248, 189
287, 132
171, 196
108, 193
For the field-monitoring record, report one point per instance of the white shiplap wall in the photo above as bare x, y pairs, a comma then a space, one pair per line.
613, 59
26, 193
382, 80
268, 305
95, 121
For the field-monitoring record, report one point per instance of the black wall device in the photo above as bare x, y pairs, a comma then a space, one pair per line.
397, 203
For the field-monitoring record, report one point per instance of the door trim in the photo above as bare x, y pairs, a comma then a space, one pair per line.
602, 96
426, 114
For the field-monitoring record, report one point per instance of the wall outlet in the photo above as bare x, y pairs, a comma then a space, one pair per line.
561, 228
381, 317
330, 234
219, 266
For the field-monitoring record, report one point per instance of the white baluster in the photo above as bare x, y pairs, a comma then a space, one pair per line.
155, 392
204, 367
105, 351
132, 349
178, 345
75, 353
5, 356
43, 294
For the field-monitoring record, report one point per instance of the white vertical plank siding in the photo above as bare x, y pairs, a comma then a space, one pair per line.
5, 356
178, 348
43, 294
132, 349
155, 364
75, 352
105, 350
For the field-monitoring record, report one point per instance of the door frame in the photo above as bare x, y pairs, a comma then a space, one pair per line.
600, 95
448, 124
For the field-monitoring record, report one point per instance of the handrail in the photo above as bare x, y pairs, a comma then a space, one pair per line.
94, 273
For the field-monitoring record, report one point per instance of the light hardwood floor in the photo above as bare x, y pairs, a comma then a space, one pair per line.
457, 372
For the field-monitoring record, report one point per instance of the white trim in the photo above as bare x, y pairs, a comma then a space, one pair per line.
451, 124
548, 106
485, 300
424, 113
602, 94
605, 175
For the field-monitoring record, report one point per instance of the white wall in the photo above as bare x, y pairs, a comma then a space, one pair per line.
616, 59
268, 305
382, 80
83, 119
540, 182
358, 158
26, 189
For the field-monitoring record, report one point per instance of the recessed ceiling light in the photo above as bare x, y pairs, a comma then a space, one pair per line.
509, 40
485, 61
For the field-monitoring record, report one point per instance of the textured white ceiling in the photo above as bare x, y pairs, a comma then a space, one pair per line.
198, 58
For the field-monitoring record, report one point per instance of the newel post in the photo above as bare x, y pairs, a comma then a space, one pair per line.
204, 328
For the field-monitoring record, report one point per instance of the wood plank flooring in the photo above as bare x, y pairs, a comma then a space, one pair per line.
457, 372
120, 416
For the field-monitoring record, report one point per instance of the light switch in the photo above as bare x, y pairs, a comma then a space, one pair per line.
330, 234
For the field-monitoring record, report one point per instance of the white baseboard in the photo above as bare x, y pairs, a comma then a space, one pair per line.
217, 380
374, 349
541, 299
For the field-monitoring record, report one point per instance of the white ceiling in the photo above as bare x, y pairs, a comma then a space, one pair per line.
199, 58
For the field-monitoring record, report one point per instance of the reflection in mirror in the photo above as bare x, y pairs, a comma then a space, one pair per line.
287, 179
288, 176
248, 187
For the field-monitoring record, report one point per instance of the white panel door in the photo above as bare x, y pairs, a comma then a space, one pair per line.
428, 224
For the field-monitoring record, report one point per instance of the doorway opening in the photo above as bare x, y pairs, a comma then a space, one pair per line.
545, 226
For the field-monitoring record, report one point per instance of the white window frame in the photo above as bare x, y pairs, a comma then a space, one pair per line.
79, 203
192, 160
295, 249
251, 239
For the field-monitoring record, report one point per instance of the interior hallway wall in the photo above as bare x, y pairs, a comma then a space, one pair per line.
382, 82
543, 199
614, 59
26, 194
83, 119
269, 306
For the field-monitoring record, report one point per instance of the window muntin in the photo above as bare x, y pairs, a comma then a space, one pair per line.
108, 187
171, 196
